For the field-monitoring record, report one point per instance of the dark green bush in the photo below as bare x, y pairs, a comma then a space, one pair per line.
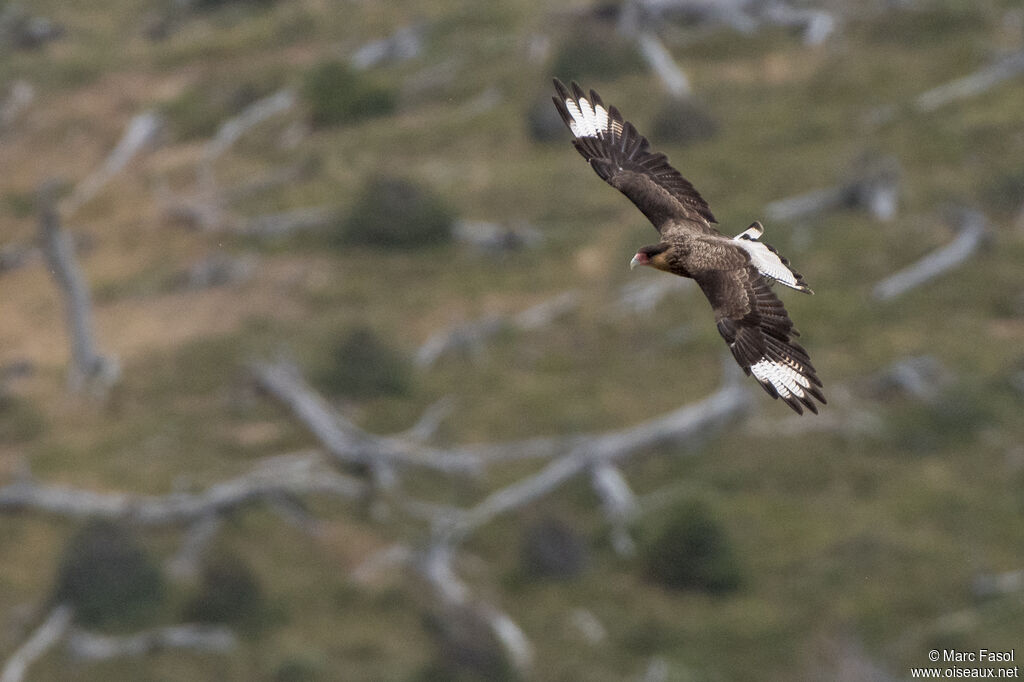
593, 50
108, 577
395, 213
682, 122
337, 94
366, 367
690, 550
20, 420
228, 593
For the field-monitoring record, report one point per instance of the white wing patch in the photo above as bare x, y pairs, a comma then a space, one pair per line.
767, 262
784, 377
587, 120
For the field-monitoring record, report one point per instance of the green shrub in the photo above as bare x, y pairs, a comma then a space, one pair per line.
337, 94
595, 51
690, 550
395, 213
108, 577
228, 593
682, 122
366, 367
20, 420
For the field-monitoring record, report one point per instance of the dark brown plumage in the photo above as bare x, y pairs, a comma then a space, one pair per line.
735, 274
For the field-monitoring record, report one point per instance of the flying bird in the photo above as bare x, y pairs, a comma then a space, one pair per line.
735, 273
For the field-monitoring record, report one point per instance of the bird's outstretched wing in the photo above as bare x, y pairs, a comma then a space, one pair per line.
622, 157
754, 323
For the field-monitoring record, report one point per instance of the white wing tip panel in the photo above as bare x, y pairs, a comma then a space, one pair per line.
785, 379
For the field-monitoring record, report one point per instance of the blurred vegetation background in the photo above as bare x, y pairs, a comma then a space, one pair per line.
413, 180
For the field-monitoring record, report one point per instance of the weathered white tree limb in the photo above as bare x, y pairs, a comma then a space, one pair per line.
232, 130
620, 505
973, 232
276, 225
494, 237
142, 131
186, 561
682, 426
816, 25
345, 441
969, 86
404, 44
874, 189
470, 337
663, 65
88, 646
301, 474
42, 640
745, 16
434, 565
88, 366
430, 421
467, 338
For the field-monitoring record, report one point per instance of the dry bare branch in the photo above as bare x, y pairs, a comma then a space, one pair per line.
969, 86
89, 368
434, 565
874, 188
42, 640
973, 232
276, 225
620, 505
663, 65
299, 474
345, 441
404, 44
231, 130
142, 131
470, 337
492, 237
88, 646
186, 561
683, 426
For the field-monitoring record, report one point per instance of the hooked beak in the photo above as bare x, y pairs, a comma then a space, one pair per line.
638, 259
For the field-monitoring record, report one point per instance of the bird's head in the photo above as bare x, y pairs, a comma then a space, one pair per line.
655, 255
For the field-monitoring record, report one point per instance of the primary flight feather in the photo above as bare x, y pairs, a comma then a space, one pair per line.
735, 273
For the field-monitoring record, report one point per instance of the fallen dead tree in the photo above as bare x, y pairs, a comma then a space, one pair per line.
874, 188
433, 559
744, 16
89, 368
469, 338
972, 232
142, 132
296, 475
344, 441
598, 454
206, 207
975, 84
88, 646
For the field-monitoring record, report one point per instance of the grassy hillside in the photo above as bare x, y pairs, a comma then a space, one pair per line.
857, 535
